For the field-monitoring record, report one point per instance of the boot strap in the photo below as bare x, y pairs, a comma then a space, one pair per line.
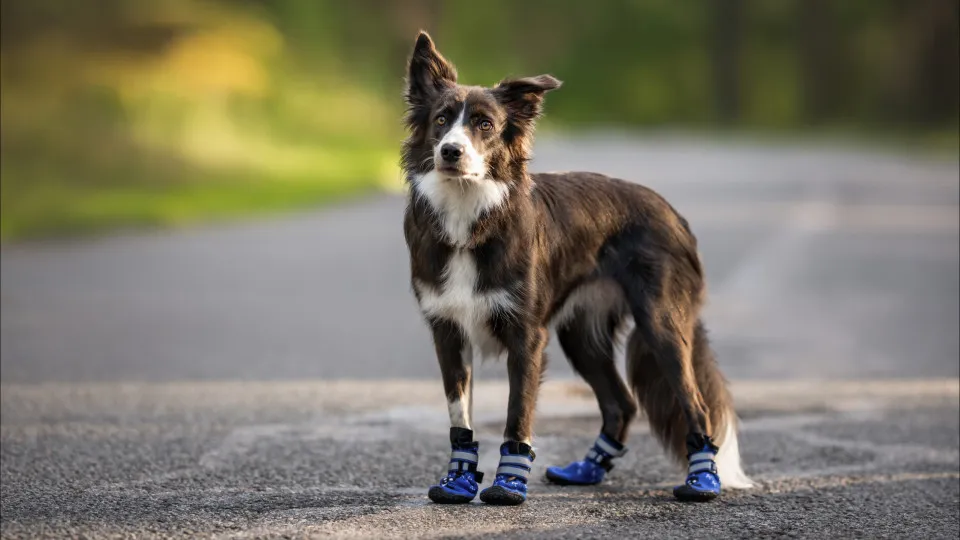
464, 461
515, 465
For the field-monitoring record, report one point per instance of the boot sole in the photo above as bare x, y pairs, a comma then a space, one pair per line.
441, 496
694, 496
499, 496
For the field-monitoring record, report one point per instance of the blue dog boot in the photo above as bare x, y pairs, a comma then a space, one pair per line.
510, 485
460, 485
592, 468
703, 483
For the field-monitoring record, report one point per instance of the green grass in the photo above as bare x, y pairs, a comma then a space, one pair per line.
63, 199
34, 208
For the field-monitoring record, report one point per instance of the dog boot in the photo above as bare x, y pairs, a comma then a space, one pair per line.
703, 483
460, 485
592, 468
510, 485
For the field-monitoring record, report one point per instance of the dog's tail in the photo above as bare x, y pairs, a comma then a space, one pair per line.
666, 417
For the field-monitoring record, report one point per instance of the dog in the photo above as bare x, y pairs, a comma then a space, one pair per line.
499, 255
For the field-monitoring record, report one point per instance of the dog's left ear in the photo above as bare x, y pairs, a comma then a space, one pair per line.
523, 98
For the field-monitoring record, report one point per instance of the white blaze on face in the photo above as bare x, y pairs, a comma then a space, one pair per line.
472, 163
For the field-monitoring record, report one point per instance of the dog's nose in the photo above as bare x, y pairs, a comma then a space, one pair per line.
451, 152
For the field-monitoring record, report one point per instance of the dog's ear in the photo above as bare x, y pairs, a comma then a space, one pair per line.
523, 98
428, 73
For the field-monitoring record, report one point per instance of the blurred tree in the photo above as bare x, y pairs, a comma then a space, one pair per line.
104, 95
937, 80
820, 57
726, 59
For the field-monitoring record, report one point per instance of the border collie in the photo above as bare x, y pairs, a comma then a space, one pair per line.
499, 254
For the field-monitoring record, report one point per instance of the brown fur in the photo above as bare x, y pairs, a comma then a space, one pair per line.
662, 404
552, 236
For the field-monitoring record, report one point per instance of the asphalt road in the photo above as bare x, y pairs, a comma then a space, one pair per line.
273, 378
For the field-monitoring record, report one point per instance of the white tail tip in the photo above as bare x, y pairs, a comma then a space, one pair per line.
729, 467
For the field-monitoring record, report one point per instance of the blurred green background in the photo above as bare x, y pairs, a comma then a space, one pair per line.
165, 112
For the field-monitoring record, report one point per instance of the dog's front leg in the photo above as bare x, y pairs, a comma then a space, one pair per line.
525, 360
524, 369
455, 355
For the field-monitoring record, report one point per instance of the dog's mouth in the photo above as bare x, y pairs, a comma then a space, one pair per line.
452, 172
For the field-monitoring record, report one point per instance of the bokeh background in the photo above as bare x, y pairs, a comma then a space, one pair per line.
206, 323
167, 112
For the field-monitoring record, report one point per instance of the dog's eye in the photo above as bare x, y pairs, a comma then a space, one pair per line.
441, 120
486, 125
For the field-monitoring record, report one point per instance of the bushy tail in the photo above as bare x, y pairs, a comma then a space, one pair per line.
667, 421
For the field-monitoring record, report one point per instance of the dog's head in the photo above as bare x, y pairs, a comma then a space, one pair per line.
468, 133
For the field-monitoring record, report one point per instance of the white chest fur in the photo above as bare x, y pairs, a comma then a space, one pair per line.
460, 203
457, 300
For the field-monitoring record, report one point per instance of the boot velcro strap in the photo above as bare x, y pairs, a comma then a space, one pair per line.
604, 450
708, 465
600, 459
609, 446
464, 455
515, 465
597, 457
464, 466
514, 470
465, 460
522, 461
700, 456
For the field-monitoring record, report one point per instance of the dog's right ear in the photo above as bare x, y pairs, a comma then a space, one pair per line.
428, 74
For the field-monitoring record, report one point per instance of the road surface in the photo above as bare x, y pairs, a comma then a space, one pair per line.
273, 378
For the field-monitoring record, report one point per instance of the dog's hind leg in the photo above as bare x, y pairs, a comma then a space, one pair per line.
723, 417
455, 356
662, 337
589, 344
680, 387
590, 348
